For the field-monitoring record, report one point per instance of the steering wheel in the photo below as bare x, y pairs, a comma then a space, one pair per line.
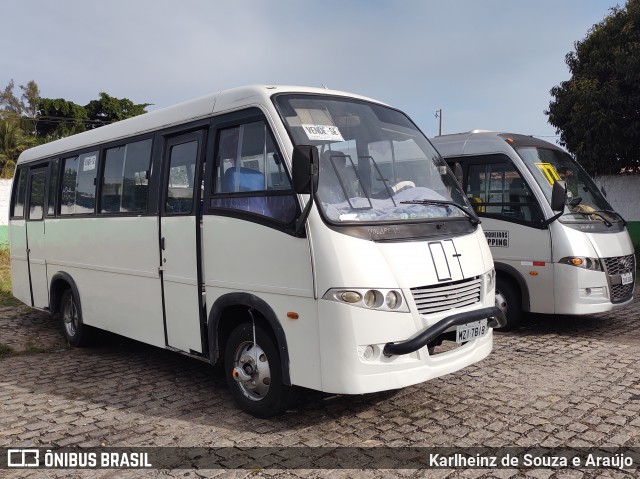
403, 185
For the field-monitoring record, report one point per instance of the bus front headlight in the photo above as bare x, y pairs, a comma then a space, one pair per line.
592, 264
374, 299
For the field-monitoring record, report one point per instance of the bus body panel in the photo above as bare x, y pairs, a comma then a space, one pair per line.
347, 330
590, 290
528, 251
182, 292
240, 255
20, 283
345, 371
38, 263
125, 259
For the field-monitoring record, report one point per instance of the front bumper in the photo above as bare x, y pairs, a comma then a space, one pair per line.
494, 316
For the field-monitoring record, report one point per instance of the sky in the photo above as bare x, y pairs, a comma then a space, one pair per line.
487, 64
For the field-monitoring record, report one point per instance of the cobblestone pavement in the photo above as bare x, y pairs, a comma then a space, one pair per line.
555, 382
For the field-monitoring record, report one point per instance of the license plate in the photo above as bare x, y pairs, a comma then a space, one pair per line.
627, 278
469, 331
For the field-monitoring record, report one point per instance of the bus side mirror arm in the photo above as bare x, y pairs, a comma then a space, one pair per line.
558, 200
305, 178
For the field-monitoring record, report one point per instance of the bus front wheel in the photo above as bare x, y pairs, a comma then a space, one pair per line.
508, 300
253, 371
75, 331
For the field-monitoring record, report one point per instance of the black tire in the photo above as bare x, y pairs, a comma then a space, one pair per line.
509, 301
75, 331
262, 394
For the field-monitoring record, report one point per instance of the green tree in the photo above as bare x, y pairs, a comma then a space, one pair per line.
109, 109
58, 118
8, 100
597, 111
13, 141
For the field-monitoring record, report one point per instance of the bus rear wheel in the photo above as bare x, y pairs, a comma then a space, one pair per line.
253, 372
75, 331
508, 300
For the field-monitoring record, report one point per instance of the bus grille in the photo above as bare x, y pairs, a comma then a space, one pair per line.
619, 265
443, 297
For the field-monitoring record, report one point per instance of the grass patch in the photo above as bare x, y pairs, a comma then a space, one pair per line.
6, 297
5, 350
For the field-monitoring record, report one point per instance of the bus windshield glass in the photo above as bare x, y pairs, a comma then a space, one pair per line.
585, 202
375, 165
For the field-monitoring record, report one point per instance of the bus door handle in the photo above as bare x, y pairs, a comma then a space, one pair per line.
162, 243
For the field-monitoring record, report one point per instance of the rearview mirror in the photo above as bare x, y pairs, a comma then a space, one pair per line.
305, 169
559, 195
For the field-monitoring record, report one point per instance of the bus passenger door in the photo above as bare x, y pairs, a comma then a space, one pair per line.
180, 240
36, 245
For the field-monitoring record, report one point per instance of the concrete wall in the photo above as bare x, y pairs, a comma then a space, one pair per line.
623, 192
5, 192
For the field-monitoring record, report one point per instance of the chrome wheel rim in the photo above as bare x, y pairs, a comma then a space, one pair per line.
253, 361
70, 318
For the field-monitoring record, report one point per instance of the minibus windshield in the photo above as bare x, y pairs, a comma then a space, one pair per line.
585, 202
375, 165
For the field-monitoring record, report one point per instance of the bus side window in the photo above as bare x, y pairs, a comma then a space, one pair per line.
78, 184
125, 179
250, 175
182, 174
36, 197
498, 188
19, 193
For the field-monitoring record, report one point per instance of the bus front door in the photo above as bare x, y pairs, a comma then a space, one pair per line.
36, 245
179, 240
512, 221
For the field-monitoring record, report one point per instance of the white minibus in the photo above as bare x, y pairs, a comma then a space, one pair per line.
297, 236
558, 246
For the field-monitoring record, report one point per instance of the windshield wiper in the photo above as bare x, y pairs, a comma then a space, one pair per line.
615, 213
597, 213
610, 212
473, 218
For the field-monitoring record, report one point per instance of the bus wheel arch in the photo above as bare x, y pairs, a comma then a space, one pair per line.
59, 283
232, 309
512, 295
65, 299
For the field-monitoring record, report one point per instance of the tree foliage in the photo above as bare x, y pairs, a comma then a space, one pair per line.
13, 141
29, 120
109, 109
59, 118
597, 111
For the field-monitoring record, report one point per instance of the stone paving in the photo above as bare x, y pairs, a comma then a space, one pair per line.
557, 382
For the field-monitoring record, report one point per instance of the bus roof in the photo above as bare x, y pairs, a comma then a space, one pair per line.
459, 144
225, 100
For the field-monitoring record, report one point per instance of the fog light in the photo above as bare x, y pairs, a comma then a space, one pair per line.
370, 299
368, 353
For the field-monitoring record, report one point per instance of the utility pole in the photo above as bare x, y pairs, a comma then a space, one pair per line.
439, 115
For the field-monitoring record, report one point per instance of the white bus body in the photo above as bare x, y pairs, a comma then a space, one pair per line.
576, 260
196, 228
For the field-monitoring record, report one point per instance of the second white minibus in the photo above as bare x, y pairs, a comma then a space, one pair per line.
558, 245
297, 236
